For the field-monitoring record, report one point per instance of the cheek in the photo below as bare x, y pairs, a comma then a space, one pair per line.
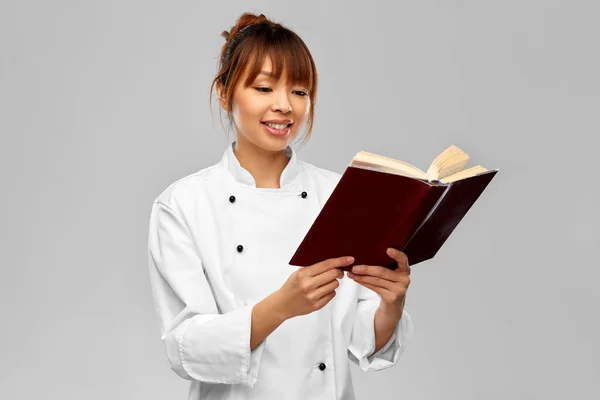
302, 108
248, 109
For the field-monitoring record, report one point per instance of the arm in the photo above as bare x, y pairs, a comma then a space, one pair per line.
362, 348
265, 319
201, 343
386, 321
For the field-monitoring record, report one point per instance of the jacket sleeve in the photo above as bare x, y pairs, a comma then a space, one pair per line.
362, 340
201, 343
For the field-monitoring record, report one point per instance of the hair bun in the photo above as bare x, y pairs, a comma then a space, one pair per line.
243, 21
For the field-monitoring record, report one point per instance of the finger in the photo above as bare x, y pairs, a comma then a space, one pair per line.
328, 264
324, 300
326, 277
375, 281
400, 258
325, 289
377, 271
382, 292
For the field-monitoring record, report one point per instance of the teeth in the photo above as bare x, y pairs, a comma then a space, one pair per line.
276, 126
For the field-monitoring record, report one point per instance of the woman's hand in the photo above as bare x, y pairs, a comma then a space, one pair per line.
310, 288
391, 285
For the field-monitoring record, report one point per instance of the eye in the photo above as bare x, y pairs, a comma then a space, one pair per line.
263, 89
301, 93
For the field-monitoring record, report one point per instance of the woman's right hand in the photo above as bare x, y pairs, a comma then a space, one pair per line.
310, 288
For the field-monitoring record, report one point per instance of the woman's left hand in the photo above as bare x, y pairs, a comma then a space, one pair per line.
391, 285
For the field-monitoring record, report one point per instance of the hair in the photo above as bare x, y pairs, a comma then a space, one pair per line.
248, 43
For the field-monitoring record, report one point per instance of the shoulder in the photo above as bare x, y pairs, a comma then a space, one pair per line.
322, 177
191, 187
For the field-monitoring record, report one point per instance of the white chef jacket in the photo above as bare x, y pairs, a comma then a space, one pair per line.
217, 246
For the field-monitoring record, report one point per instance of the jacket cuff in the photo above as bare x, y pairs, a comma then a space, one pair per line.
216, 349
362, 343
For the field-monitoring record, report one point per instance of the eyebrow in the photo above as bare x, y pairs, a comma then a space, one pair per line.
268, 73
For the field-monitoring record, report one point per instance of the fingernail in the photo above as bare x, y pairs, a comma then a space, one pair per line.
390, 251
350, 259
356, 269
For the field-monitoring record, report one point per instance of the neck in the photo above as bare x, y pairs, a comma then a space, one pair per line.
265, 166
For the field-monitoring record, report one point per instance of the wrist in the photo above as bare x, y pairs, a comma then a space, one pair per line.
277, 307
393, 310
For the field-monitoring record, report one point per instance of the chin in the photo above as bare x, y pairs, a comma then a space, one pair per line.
275, 143
268, 142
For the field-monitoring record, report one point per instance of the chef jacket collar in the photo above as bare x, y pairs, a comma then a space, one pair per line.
241, 175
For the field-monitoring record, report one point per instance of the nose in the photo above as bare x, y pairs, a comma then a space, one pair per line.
282, 103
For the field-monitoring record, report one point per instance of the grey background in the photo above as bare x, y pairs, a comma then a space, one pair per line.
106, 103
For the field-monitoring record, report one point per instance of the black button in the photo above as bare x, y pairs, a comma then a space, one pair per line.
240, 248
304, 194
322, 366
231, 199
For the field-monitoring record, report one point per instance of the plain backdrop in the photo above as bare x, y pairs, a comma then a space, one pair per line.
105, 103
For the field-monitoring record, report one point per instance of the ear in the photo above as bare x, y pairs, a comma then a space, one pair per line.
222, 99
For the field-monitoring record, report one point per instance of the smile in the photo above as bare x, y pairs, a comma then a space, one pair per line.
277, 129
276, 126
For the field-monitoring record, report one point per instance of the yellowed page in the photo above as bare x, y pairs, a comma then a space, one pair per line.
386, 164
464, 174
448, 162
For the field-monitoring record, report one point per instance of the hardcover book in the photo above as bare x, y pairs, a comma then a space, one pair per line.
380, 202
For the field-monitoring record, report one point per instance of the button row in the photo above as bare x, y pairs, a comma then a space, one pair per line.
240, 248
232, 198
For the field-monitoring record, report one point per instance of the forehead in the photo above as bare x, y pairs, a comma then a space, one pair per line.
266, 70
267, 64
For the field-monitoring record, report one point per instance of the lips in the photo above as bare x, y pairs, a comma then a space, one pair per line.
277, 132
279, 121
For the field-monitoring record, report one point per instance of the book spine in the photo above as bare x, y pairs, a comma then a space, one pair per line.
411, 218
435, 206
451, 208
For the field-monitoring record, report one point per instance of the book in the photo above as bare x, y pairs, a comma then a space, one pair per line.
380, 202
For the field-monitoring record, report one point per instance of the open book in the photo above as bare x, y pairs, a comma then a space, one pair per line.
380, 202
447, 167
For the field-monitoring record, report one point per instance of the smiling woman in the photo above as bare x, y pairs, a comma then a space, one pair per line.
265, 65
236, 319
268, 105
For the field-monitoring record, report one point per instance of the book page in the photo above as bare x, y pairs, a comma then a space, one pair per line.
448, 162
368, 160
464, 174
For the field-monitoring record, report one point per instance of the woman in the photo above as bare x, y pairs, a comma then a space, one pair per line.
236, 319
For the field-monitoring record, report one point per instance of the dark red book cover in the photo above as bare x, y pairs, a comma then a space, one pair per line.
369, 211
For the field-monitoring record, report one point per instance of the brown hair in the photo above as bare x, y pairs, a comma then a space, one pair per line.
254, 38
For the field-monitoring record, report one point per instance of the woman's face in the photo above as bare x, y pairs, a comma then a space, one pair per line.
265, 102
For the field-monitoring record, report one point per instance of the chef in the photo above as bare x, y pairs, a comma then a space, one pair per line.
233, 320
